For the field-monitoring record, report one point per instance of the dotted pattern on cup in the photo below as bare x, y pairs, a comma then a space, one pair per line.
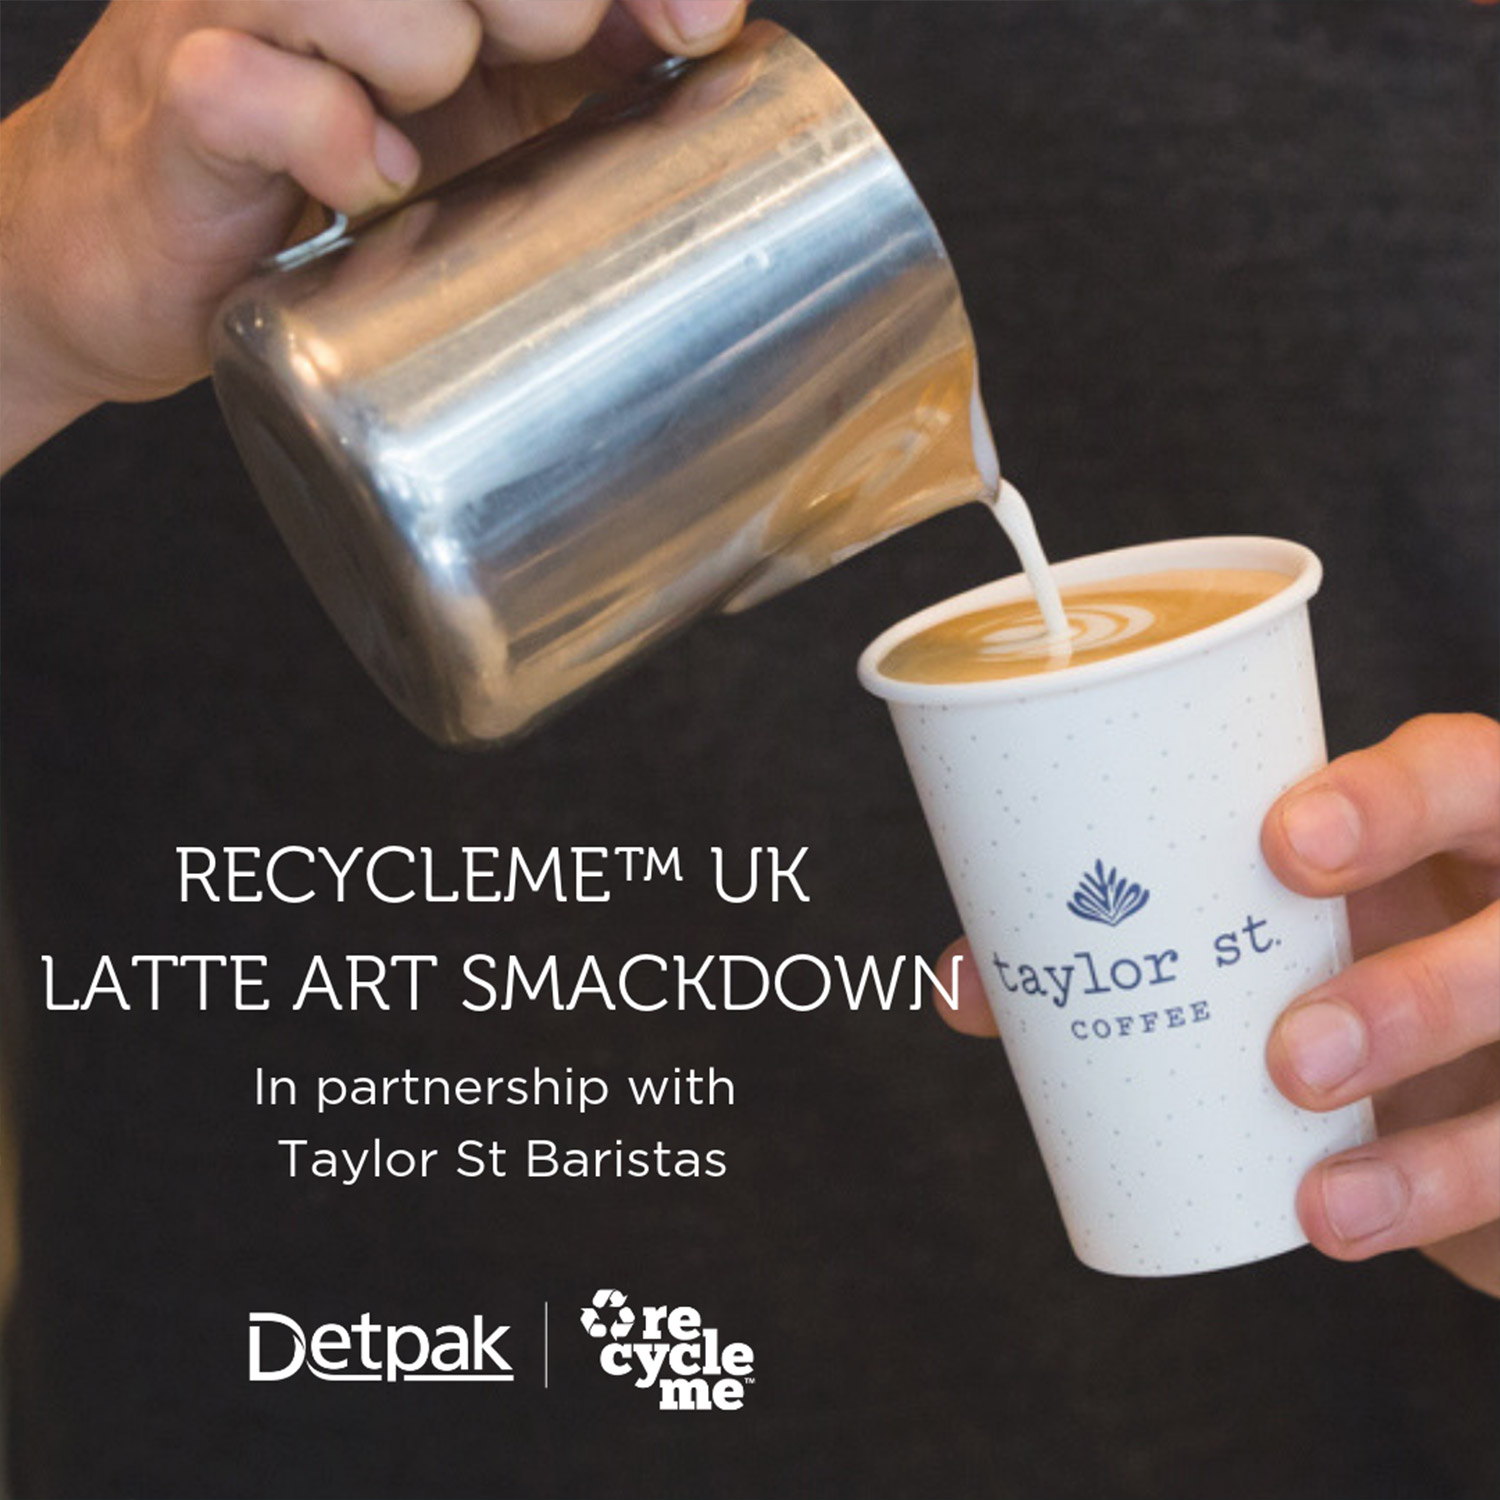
1103, 849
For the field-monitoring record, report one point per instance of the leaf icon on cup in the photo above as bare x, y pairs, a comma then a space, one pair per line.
1105, 897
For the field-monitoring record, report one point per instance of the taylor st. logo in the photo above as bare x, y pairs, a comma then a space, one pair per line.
688, 1364
1106, 897
373, 1351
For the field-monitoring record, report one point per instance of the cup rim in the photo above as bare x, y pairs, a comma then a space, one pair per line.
1303, 570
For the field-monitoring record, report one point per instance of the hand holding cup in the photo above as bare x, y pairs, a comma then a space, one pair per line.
1410, 830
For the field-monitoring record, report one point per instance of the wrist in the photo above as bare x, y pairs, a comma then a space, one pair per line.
40, 391
36, 401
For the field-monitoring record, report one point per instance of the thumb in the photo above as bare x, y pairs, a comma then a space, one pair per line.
958, 996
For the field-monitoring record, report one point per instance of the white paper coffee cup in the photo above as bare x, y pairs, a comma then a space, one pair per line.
1100, 831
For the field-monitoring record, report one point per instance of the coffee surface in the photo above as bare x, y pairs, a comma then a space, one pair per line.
1104, 620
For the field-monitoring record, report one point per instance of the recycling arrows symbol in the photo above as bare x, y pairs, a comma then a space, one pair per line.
608, 1315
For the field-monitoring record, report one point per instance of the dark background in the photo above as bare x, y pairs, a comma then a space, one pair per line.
1231, 268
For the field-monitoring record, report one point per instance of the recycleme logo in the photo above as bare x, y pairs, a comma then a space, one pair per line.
615, 1319
688, 1365
373, 1351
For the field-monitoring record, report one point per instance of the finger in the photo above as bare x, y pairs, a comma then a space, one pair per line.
411, 53
1387, 1018
237, 108
688, 27
622, 46
537, 30
1417, 1188
1473, 1257
1433, 785
959, 996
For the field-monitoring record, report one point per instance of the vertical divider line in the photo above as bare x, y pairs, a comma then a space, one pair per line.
546, 1350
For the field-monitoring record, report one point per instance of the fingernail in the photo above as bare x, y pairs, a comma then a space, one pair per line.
698, 20
1323, 827
395, 156
1362, 1198
1325, 1042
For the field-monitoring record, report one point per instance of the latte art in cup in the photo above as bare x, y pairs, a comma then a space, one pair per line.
1104, 620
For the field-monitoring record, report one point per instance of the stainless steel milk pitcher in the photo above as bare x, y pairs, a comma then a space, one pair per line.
696, 343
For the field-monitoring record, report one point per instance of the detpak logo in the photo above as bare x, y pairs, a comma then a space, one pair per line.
367, 1350
669, 1349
